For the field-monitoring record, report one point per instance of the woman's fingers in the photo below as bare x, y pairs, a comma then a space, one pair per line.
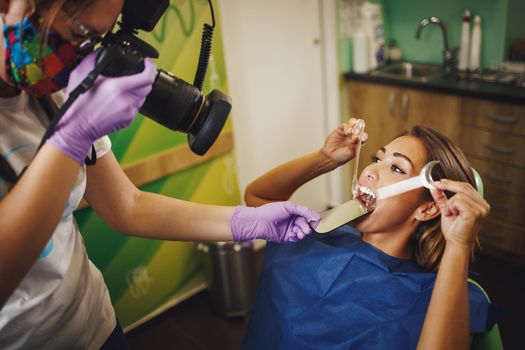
439, 197
461, 187
464, 193
464, 205
354, 130
364, 138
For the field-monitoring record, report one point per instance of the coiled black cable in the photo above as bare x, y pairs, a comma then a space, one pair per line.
204, 57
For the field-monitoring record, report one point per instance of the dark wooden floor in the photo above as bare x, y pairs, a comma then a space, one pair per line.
192, 325
505, 285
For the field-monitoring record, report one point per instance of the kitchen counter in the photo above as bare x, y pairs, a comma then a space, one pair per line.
478, 89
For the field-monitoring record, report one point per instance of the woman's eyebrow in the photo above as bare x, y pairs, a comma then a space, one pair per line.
397, 154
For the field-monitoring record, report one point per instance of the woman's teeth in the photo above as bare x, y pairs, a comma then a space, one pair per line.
367, 197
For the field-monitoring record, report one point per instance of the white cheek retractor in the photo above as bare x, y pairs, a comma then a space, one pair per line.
424, 179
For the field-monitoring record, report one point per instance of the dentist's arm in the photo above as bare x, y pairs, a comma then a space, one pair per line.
281, 182
134, 212
30, 212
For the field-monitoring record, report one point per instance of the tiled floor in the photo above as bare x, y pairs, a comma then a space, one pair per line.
193, 326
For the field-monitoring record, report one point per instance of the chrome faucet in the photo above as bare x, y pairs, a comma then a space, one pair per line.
448, 55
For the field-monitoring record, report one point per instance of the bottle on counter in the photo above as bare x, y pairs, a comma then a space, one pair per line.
475, 45
372, 24
360, 52
393, 53
464, 49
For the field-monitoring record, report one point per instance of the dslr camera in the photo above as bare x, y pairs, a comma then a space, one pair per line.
172, 102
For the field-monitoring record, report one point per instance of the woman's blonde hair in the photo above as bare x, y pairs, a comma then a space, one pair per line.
428, 239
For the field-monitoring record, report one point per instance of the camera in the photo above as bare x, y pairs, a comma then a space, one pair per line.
172, 102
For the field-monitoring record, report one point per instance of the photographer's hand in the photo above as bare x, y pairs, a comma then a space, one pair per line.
109, 105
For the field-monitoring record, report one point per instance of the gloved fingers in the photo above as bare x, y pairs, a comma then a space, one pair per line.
300, 210
113, 85
292, 237
129, 84
314, 223
303, 228
141, 93
141, 79
82, 70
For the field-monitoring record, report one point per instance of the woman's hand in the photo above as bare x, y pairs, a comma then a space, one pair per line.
461, 215
340, 145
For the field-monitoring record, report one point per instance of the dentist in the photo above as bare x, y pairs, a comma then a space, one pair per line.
51, 295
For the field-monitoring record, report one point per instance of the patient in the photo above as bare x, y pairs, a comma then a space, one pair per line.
396, 279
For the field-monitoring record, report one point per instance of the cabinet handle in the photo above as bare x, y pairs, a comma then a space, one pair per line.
391, 104
503, 119
500, 179
498, 149
404, 107
492, 235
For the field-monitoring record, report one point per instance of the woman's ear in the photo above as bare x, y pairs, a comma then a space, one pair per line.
426, 211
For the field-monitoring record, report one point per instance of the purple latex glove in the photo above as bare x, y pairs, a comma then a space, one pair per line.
277, 222
110, 104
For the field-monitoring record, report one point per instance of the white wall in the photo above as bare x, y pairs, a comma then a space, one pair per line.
274, 60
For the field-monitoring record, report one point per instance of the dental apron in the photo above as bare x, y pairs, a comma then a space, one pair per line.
335, 291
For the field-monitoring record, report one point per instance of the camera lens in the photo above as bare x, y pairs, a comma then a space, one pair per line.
209, 122
181, 106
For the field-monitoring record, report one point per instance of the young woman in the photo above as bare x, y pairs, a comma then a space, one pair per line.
399, 278
51, 295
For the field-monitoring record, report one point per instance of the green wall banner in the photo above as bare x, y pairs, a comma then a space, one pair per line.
145, 276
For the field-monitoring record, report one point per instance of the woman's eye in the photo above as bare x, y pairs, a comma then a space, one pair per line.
397, 169
375, 159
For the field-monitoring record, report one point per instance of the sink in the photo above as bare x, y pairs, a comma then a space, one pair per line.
409, 71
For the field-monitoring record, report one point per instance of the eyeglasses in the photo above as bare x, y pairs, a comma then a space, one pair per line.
82, 33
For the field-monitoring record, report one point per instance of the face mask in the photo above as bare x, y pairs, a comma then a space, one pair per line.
38, 67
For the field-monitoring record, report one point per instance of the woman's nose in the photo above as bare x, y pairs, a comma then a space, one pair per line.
371, 175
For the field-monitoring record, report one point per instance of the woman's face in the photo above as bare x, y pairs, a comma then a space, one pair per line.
97, 19
399, 160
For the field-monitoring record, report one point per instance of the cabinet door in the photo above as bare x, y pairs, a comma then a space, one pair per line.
378, 105
438, 111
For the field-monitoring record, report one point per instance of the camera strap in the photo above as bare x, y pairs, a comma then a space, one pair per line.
6, 170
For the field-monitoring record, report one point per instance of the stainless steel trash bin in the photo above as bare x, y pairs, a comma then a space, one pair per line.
229, 272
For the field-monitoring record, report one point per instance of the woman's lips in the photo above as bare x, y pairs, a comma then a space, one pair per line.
367, 196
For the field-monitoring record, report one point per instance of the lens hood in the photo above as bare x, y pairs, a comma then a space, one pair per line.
217, 106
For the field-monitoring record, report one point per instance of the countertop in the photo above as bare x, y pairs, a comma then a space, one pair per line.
450, 85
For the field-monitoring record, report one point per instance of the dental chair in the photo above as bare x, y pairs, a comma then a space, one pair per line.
490, 340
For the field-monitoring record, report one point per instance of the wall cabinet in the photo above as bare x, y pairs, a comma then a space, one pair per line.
491, 134
389, 110
493, 137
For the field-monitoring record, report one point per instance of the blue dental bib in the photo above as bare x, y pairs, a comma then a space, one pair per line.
335, 291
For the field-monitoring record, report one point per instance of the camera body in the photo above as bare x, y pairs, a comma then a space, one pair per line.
172, 102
